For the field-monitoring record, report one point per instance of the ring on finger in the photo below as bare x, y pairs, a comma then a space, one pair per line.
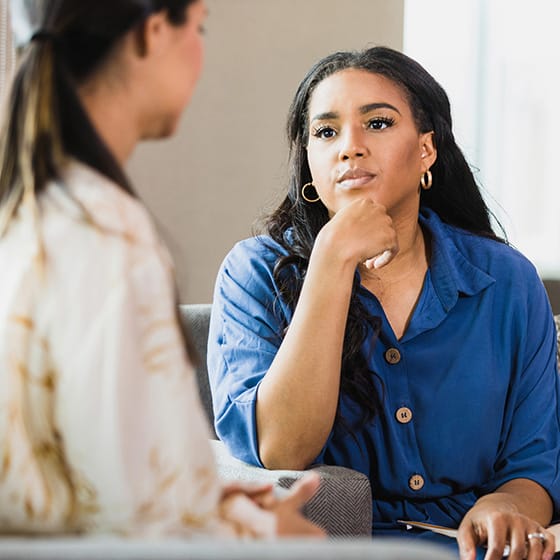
538, 535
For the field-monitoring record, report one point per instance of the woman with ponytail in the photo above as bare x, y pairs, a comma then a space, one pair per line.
382, 325
100, 424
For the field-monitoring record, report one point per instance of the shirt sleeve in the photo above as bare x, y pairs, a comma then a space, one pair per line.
530, 443
245, 335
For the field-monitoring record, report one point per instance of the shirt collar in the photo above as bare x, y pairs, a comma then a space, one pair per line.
451, 271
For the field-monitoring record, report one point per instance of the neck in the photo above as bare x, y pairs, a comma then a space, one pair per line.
110, 112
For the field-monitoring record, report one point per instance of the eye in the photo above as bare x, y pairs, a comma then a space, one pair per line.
202, 30
380, 123
325, 132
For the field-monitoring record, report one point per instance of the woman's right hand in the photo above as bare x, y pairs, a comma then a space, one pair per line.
361, 232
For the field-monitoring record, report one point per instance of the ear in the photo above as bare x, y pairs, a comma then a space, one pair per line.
428, 150
152, 34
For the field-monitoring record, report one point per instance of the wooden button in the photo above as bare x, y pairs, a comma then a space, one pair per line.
416, 482
404, 415
393, 356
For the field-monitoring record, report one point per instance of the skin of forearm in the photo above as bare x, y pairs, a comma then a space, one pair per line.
524, 496
298, 397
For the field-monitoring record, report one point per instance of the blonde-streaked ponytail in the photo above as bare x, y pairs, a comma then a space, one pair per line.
31, 147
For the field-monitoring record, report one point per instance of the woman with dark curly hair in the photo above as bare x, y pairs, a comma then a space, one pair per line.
382, 325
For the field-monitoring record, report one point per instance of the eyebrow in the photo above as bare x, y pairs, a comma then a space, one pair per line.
364, 110
372, 106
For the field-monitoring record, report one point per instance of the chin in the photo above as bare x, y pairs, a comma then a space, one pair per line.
162, 129
169, 126
168, 131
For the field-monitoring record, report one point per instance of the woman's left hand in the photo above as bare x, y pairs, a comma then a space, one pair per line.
495, 522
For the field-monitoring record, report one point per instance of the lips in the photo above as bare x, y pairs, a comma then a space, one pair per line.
355, 177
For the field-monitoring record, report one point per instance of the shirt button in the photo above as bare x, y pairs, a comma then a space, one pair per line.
393, 356
416, 482
404, 415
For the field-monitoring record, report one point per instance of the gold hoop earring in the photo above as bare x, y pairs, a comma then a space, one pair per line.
426, 180
306, 198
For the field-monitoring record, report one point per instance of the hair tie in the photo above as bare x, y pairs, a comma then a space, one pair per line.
43, 36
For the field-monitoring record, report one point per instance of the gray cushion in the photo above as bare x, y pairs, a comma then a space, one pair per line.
196, 318
342, 505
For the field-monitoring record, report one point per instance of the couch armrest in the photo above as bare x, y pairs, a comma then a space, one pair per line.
342, 505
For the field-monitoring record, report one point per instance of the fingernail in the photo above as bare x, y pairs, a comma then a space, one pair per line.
382, 259
548, 556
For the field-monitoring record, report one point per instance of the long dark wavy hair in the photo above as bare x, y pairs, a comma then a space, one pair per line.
454, 196
45, 124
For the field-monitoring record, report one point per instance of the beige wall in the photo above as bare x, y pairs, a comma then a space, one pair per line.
209, 184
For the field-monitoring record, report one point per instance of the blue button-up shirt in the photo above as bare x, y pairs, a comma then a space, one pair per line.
470, 396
